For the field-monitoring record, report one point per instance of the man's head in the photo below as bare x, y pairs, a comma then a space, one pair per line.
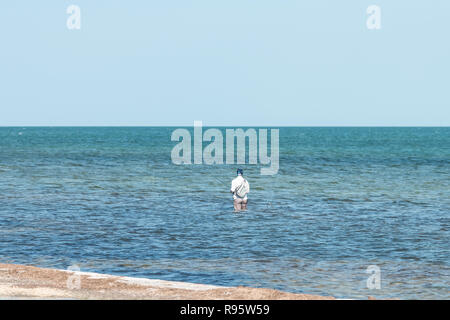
240, 172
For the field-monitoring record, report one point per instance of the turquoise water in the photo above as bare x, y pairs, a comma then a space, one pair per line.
110, 200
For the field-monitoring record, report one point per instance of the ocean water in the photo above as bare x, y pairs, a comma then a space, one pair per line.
110, 200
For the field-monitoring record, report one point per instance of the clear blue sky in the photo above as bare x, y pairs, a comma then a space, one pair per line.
230, 63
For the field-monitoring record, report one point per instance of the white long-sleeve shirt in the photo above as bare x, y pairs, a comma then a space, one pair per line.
237, 184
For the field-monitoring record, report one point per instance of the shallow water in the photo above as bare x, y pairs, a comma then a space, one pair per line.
110, 200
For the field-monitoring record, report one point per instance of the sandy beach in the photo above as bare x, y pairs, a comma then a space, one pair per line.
27, 282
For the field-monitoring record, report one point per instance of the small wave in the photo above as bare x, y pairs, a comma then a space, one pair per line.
340, 200
406, 202
96, 187
74, 164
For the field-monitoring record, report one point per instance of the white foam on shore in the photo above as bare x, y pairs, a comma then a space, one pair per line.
90, 275
147, 282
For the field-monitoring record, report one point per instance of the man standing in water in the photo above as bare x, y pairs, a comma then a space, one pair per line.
240, 188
